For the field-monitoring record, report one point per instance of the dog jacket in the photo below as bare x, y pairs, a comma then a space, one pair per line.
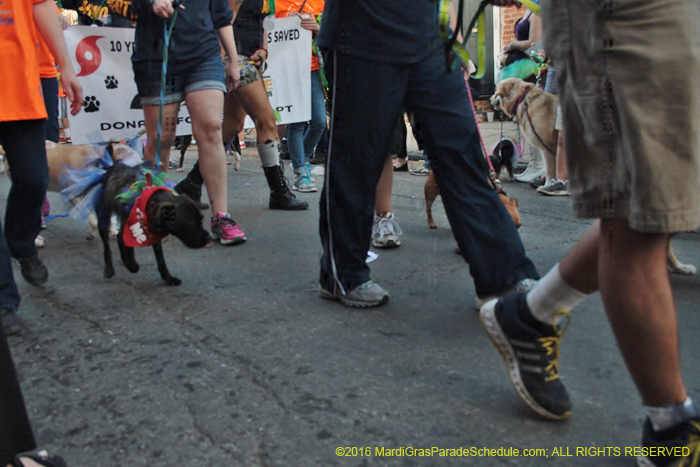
137, 232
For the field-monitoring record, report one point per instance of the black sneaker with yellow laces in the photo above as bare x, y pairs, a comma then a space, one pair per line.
530, 350
678, 446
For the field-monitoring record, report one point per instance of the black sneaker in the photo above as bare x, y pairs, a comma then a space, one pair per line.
34, 271
531, 352
10, 321
681, 442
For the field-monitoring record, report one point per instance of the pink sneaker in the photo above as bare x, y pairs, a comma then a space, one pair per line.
226, 230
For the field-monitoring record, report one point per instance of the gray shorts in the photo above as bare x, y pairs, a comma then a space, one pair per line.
629, 88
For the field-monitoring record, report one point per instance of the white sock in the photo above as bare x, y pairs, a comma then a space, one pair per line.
663, 417
269, 154
552, 294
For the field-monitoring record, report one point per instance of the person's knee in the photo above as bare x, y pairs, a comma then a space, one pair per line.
209, 130
266, 126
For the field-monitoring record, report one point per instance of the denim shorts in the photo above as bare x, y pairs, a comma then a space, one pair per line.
182, 78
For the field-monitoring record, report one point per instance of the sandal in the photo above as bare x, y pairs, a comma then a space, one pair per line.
41, 458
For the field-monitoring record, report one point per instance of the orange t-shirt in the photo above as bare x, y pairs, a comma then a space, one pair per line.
47, 65
311, 7
20, 94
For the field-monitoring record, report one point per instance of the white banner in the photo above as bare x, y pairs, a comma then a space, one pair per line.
102, 60
288, 75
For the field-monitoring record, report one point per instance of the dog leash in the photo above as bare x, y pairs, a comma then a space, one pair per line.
167, 32
520, 100
481, 140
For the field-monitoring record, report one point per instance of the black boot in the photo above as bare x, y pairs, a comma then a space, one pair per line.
191, 186
280, 195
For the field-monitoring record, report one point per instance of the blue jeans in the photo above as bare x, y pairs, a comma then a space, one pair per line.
26, 153
368, 97
301, 144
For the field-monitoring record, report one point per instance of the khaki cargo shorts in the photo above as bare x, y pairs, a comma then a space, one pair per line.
629, 89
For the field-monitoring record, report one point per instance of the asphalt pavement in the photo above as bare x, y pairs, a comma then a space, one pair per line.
244, 365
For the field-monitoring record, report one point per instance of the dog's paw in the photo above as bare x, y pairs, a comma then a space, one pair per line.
173, 281
109, 272
132, 267
432, 225
39, 241
180, 169
90, 235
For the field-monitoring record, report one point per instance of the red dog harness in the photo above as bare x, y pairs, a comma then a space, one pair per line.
137, 232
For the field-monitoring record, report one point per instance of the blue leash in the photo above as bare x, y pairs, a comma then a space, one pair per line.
47, 219
167, 32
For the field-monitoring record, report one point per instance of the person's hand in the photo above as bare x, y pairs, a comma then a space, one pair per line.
233, 75
65, 22
307, 22
259, 56
164, 8
73, 89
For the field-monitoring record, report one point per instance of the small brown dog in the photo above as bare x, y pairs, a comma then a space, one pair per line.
431, 191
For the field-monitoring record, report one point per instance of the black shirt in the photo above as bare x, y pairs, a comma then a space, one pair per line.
394, 31
247, 28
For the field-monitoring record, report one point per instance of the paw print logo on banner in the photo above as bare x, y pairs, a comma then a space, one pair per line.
91, 104
111, 82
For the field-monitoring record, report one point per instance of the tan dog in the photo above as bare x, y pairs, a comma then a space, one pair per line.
431, 191
61, 155
536, 112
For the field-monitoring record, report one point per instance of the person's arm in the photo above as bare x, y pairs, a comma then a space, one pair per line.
49, 27
307, 22
533, 38
233, 74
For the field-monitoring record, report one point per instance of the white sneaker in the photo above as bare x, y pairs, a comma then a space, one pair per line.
555, 188
386, 231
534, 170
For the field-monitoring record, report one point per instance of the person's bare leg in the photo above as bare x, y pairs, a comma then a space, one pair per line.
562, 172
382, 201
637, 295
579, 268
206, 108
150, 113
234, 117
254, 101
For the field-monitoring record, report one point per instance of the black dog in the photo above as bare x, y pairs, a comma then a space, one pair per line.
166, 213
503, 156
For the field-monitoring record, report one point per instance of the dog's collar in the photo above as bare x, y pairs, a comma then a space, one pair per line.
520, 99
